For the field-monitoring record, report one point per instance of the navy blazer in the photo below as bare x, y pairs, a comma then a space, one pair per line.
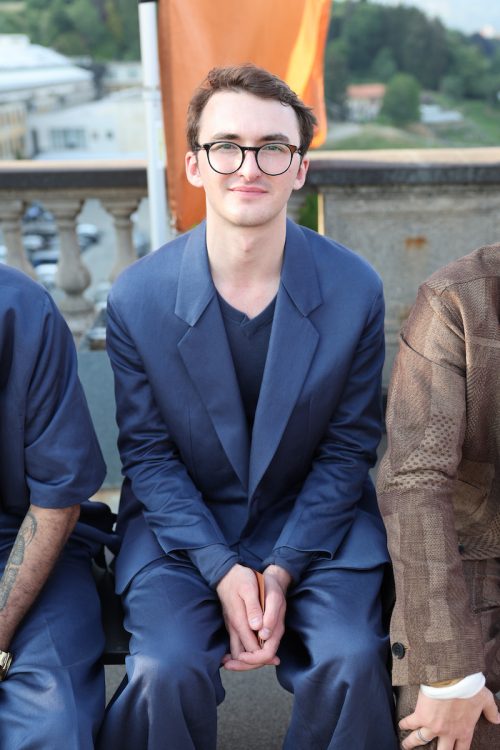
49, 454
194, 477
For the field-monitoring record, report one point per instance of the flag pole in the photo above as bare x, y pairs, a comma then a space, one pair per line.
156, 156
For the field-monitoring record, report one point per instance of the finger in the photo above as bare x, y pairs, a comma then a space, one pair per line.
271, 645
240, 631
242, 665
256, 660
418, 738
447, 743
234, 665
250, 595
275, 633
248, 638
490, 709
271, 617
409, 722
265, 655
235, 645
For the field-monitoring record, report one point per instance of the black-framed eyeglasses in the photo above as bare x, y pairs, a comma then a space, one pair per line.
226, 157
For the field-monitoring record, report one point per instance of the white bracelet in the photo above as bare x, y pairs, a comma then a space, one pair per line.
466, 688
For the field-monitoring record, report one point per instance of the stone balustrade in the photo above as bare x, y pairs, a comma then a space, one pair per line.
407, 212
63, 188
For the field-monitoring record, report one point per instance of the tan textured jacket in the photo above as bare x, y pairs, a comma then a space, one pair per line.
439, 482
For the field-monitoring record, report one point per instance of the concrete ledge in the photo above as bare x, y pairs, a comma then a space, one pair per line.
405, 167
74, 175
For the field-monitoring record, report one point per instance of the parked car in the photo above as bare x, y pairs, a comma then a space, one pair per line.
39, 231
33, 243
46, 274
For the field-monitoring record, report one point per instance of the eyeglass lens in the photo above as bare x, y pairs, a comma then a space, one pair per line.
272, 158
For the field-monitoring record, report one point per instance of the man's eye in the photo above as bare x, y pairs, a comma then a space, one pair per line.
225, 147
275, 148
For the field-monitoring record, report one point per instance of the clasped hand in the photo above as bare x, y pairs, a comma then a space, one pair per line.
245, 620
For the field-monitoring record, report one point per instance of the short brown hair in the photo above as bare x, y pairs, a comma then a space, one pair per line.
253, 80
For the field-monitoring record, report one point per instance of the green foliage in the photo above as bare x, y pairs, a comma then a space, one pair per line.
452, 87
11, 23
469, 65
308, 213
102, 29
365, 34
374, 138
401, 104
384, 66
485, 119
336, 73
372, 42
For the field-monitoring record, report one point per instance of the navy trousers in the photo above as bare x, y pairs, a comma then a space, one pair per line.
53, 697
333, 658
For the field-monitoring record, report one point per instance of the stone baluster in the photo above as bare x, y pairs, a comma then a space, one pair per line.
73, 276
121, 209
11, 212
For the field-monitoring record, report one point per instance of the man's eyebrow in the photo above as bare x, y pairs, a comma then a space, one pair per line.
268, 138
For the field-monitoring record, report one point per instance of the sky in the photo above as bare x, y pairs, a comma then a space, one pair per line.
466, 15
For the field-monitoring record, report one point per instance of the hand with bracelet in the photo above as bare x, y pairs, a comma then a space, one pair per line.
450, 711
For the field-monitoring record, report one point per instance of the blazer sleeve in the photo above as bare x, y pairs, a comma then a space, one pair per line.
327, 503
173, 506
426, 419
63, 461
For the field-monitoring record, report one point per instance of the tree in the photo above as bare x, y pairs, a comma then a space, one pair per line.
102, 29
402, 100
452, 86
384, 66
364, 33
336, 74
418, 44
469, 65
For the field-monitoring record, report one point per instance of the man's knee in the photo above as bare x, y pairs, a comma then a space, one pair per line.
60, 725
169, 670
359, 651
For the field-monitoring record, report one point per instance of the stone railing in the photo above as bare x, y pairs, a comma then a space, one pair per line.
63, 188
407, 212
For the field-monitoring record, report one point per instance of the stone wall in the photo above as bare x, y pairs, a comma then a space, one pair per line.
408, 213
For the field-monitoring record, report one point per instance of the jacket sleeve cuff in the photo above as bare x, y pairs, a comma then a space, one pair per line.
294, 561
213, 561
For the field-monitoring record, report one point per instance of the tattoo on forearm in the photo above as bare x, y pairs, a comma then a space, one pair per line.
24, 538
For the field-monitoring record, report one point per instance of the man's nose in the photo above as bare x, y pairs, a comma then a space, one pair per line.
249, 167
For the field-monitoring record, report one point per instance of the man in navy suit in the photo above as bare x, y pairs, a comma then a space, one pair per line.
51, 639
247, 357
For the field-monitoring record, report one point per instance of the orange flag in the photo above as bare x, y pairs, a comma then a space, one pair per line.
287, 37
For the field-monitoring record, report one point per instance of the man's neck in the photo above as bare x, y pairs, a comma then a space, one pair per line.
245, 263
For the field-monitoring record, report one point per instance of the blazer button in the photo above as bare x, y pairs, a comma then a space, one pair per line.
398, 650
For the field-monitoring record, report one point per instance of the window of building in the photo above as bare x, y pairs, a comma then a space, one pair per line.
68, 138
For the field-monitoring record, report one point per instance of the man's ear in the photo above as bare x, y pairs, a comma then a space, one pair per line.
192, 170
301, 174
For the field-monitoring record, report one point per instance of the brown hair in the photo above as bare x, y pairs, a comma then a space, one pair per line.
253, 80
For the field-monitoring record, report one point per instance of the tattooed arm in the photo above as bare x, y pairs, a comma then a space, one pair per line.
40, 539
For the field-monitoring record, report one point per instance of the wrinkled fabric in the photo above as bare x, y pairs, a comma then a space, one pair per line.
333, 658
53, 697
439, 482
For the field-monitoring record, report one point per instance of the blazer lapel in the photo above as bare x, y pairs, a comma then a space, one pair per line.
291, 348
205, 352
